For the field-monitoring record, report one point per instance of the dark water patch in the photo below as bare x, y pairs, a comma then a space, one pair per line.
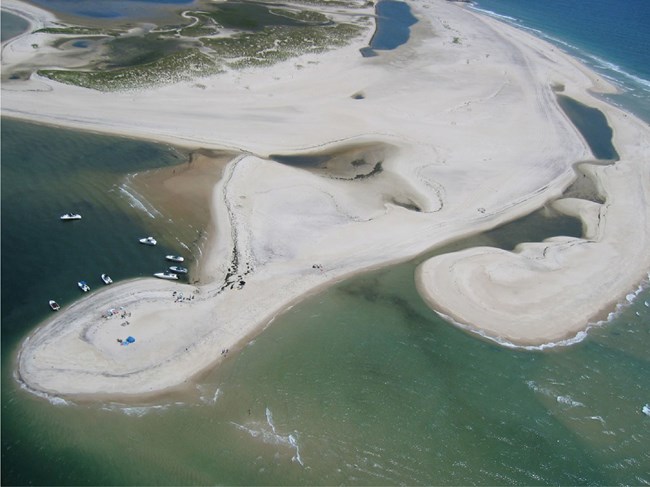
12, 25
593, 126
394, 21
534, 227
301, 161
409, 205
367, 52
377, 169
81, 44
348, 163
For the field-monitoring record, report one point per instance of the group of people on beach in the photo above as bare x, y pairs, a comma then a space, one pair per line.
178, 297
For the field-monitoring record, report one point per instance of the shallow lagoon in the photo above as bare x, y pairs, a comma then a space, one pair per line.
12, 25
111, 9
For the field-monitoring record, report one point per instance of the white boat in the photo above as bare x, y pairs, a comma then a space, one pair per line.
646, 409
71, 216
178, 269
107, 279
54, 305
174, 258
83, 285
166, 275
148, 241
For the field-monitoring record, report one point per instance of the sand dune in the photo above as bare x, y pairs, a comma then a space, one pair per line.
450, 138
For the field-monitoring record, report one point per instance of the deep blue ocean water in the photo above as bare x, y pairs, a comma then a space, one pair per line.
611, 37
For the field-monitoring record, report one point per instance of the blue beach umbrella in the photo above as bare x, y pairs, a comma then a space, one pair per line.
130, 339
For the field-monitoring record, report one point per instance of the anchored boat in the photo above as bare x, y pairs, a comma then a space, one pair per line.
83, 285
71, 216
174, 258
148, 241
54, 305
178, 269
166, 275
107, 279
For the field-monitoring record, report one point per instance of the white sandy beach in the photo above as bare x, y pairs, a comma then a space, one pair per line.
469, 135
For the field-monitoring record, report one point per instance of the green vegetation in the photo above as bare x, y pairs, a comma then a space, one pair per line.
75, 30
267, 35
306, 16
279, 43
181, 66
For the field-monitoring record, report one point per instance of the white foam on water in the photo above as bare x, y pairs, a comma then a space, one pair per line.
619, 70
534, 387
580, 336
269, 435
136, 411
52, 399
296, 457
137, 201
204, 394
494, 14
630, 298
567, 400
216, 396
596, 61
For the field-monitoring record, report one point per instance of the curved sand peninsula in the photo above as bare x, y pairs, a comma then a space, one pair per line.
453, 133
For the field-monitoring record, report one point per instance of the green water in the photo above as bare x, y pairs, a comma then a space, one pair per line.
361, 384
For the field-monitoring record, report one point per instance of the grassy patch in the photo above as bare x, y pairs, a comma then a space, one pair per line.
182, 66
75, 30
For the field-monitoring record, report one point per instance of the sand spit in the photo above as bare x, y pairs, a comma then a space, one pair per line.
453, 133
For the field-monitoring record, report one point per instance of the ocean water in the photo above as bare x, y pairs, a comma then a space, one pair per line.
613, 38
361, 384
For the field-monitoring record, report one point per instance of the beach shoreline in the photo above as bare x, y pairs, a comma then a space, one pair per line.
410, 183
